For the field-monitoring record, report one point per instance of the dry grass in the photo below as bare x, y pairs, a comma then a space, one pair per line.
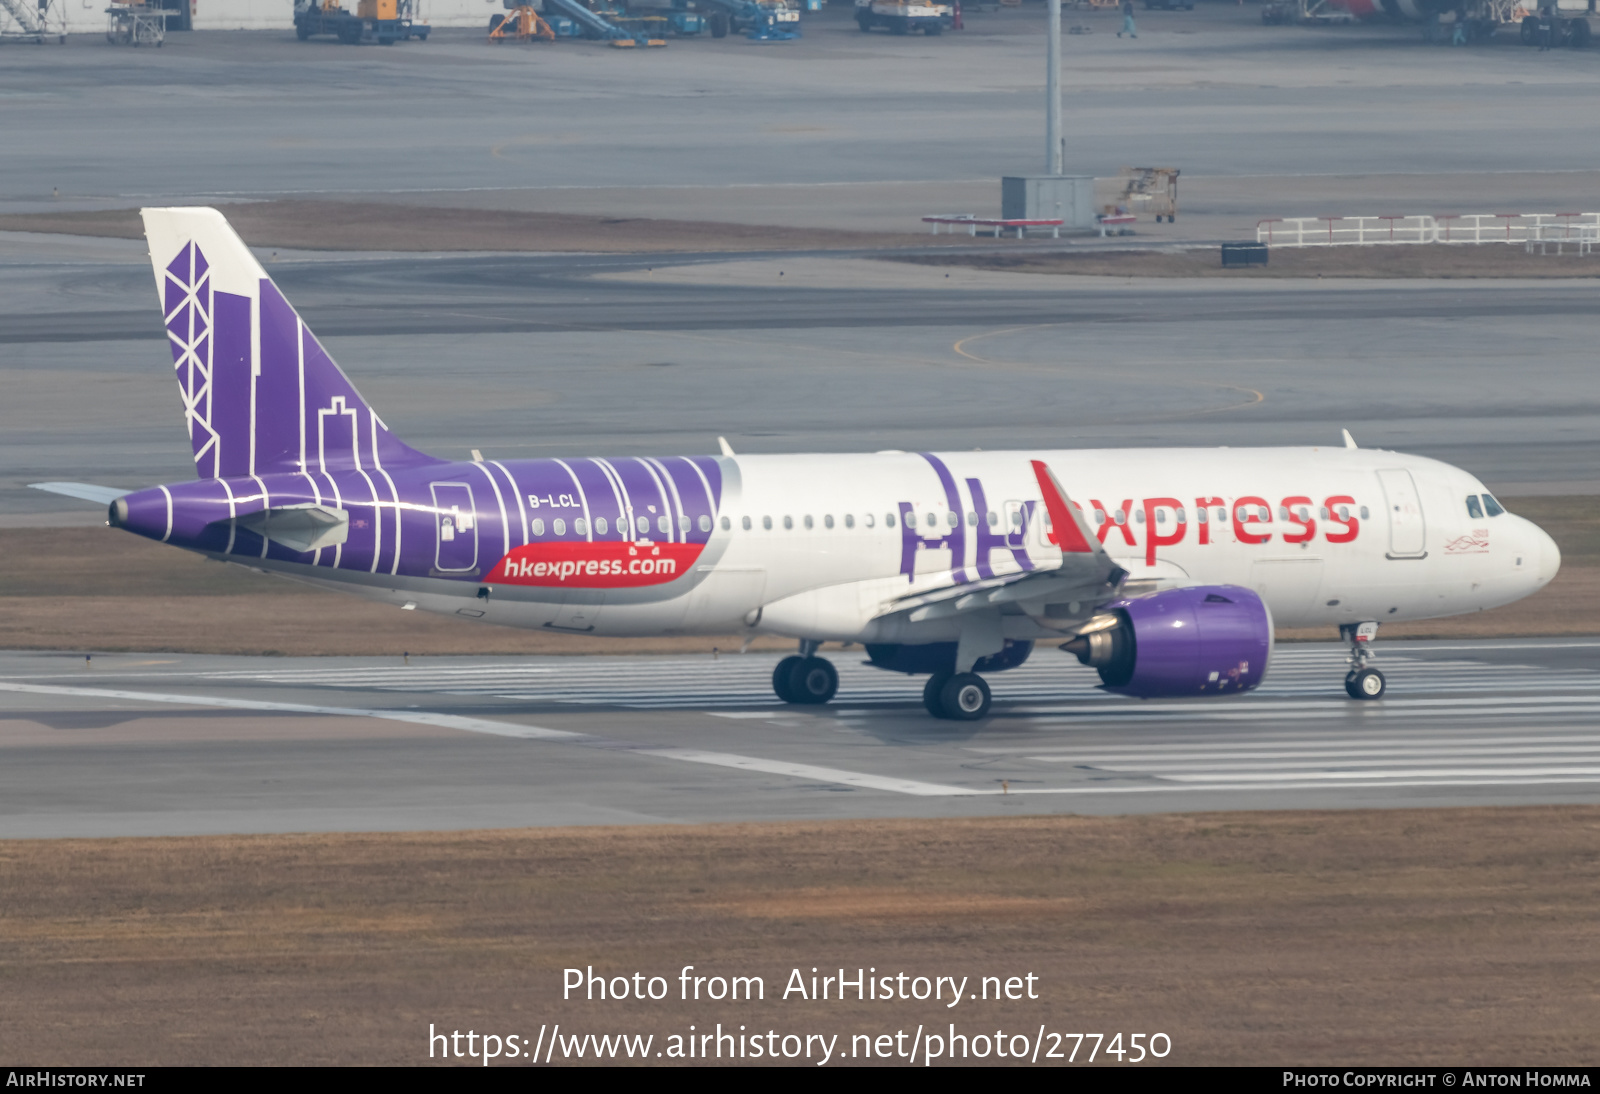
104, 590
1433, 261
377, 226
1459, 936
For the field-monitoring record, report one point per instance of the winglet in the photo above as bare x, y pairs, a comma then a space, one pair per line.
1349, 441
722, 443
1067, 530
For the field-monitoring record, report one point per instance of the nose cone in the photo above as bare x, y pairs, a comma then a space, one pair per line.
1548, 554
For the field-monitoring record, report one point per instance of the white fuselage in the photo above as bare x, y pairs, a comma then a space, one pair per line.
817, 546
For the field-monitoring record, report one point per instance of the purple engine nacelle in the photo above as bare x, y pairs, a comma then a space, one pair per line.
1204, 640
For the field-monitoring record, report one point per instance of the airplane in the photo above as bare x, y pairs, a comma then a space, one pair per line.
1167, 576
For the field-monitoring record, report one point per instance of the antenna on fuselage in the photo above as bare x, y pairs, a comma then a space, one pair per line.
1349, 441
722, 443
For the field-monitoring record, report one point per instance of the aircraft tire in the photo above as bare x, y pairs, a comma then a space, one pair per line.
1366, 685
965, 697
813, 681
930, 693
783, 674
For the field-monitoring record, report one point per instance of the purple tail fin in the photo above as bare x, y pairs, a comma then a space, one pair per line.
260, 394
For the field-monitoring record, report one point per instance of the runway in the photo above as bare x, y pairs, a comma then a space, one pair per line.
188, 744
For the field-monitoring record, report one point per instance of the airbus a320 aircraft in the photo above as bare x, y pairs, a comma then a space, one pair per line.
1166, 574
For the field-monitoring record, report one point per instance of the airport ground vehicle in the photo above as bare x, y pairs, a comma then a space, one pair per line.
904, 16
761, 20
383, 21
1166, 575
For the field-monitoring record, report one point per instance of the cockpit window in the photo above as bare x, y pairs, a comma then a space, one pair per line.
1493, 507
1474, 510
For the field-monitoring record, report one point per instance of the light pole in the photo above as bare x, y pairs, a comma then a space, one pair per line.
1052, 93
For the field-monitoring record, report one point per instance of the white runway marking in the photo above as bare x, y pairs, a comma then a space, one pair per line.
1445, 723
513, 729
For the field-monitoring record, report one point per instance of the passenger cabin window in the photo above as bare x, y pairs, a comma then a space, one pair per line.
766, 523
1200, 515
1493, 507
1364, 514
744, 522
952, 518
808, 522
727, 525
850, 520
869, 520
994, 518
560, 526
683, 522
663, 525
538, 526
888, 520
827, 521
601, 525
580, 526
1474, 510
788, 523
705, 523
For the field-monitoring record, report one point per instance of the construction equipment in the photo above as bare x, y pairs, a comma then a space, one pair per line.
1149, 190
135, 25
383, 21
523, 24
33, 20
904, 16
761, 20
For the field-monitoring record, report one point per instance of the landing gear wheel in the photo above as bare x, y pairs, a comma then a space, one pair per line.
965, 697
782, 675
813, 681
930, 693
1365, 684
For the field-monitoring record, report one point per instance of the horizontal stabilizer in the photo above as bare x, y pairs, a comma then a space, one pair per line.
84, 491
303, 528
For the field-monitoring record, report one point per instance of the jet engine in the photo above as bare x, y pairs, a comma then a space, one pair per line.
1202, 640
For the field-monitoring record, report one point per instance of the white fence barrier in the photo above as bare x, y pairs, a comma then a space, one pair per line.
1530, 229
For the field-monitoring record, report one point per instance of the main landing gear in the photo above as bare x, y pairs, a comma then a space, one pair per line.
958, 696
1362, 681
805, 679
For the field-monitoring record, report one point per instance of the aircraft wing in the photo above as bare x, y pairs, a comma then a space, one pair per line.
84, 491
1085, 577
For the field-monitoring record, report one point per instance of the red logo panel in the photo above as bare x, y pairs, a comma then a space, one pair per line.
604, 565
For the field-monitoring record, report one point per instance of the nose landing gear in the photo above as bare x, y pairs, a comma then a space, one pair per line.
1362, 681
